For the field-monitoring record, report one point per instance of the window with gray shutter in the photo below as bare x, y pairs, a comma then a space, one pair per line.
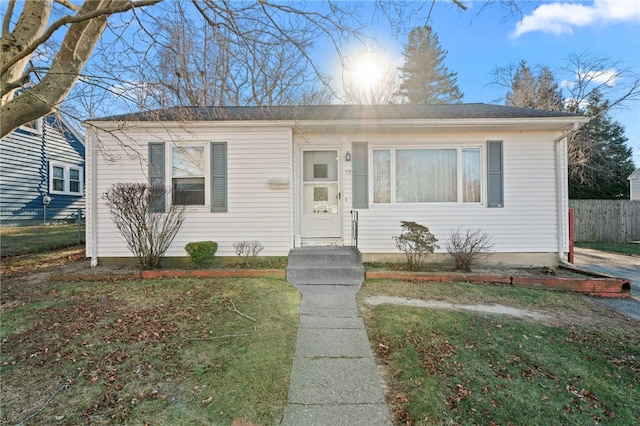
360, 189
495, 174
157, 172
218, 176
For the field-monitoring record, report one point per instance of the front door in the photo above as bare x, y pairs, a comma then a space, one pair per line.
320, 194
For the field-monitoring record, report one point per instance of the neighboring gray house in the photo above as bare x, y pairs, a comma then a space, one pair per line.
297, 176
42, 163
634, 190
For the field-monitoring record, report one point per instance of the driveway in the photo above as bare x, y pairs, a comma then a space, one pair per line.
618, 265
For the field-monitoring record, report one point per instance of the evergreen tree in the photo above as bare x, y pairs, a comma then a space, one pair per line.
425, 79
603, 174
530, 91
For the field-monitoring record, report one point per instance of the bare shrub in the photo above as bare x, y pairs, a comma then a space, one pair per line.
466, 246
415, 241
148, 234
248, 250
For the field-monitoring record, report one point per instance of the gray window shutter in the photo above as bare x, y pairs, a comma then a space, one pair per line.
495, 174
360, 189
157, 173
218, 176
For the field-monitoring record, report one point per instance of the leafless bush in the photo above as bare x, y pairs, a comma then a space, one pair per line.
466, 246
248, 249
148, 234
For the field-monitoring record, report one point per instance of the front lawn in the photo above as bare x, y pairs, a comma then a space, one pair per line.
167, 352
454, 367
624, 248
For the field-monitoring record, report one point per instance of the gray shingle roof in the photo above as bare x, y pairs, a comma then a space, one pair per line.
336, 112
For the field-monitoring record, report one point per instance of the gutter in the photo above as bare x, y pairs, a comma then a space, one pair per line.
562, 188
94, 200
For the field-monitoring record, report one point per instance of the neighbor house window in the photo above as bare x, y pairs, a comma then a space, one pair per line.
65, 179
188, 173
427, 175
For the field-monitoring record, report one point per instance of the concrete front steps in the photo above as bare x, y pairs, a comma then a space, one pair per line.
325, 265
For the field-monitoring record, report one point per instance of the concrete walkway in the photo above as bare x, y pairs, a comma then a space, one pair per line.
334, 380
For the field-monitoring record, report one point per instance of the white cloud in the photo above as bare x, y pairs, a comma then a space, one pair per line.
562, 18
607, 77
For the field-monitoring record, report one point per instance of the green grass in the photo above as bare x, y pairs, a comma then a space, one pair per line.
33, 239
448, 367
624, 248
168, 352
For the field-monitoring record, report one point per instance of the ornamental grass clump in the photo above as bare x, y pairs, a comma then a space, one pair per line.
201, 251
415, 241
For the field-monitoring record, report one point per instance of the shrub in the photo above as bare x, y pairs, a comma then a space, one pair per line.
415, 241
248, 250
148, 234
200, 251
466, 246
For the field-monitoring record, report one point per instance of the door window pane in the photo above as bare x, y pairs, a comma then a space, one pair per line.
320, 166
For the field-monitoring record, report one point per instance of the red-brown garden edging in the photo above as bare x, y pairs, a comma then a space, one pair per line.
594, 285
214, 273
177, 273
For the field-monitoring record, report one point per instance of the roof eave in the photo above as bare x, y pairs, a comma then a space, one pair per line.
453, 124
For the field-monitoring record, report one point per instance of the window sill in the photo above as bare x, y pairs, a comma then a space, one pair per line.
76, 194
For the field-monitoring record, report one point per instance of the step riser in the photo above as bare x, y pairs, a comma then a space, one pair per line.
344, 276
325, 265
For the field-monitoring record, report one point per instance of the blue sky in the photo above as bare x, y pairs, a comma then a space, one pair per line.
547, 34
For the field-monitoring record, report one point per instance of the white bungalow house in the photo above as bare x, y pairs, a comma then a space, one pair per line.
296, 176
634, 185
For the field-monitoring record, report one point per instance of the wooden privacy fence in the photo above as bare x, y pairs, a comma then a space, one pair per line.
606, 220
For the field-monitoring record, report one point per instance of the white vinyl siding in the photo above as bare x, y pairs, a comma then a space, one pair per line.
527, 223
255, 210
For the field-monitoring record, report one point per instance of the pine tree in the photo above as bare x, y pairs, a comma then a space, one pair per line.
599, 159
603, 174
531, 91
425, 79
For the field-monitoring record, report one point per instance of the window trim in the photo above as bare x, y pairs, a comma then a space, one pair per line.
459, 186
66, 179
207, 172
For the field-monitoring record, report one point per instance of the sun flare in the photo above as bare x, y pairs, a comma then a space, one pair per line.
365, 70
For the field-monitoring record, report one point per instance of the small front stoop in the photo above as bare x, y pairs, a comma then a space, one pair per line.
325, 265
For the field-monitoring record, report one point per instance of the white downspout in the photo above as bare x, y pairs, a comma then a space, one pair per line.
94, 200
562, 190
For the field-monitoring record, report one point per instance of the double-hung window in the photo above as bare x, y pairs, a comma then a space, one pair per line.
65, 179
421, 175
188, 171
196, 173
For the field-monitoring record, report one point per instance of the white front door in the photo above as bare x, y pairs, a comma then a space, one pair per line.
320, 194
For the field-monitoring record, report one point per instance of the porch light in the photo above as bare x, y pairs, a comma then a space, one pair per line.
347, 156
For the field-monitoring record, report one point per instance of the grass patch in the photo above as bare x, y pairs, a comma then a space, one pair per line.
170, 352
33, 239
624, 248
32, 262
449, 367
